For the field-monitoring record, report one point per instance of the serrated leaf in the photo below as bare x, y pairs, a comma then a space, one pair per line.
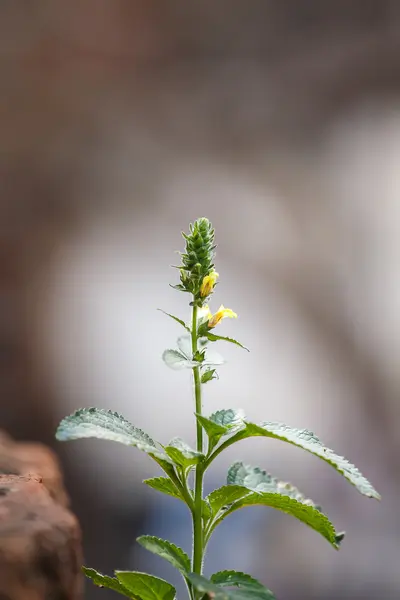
180, 321
106, 425
182, 454
239, 579
303, 512
105, 581
220, 592
177, 361
163, 485
223, 497
167, 550
257, 480
147, 587
221, 423
215, 338
307, 440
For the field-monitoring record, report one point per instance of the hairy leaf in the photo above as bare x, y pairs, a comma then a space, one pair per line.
308, 441
215, 338
180, 321
110, 583
257, 480
106, 425
304, 512
223, 497
147, 587
177, 361
164, 485
182, 454
240, 580
220, 592
221, 423
209, 375
173, 554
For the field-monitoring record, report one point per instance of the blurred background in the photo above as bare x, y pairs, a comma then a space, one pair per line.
121, 121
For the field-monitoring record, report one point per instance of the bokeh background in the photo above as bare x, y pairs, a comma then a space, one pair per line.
120, 122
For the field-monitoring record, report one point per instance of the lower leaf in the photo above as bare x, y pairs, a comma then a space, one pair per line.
167, 550
146, 587
105, 581
249, 589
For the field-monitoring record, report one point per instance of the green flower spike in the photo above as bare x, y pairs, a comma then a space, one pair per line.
198, 276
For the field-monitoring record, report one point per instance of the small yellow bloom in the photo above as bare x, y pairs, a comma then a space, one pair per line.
221, 313
208, 284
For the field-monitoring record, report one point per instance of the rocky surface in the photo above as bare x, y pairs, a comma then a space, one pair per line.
40, 540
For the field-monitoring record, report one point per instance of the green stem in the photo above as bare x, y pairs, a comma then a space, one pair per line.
197, 563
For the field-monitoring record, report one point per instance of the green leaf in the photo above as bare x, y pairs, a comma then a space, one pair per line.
221, 423
304, 512
219, 592
215, 338
240, 580
209, 375
173, 554
106, 425
182, 454
107, 582
177, 361
175, 319
147, 587
164, 485
223, 497
306, 439
257, 480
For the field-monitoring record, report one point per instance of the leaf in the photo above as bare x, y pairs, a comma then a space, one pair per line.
147, 587
180, 321
107, 425
164, 485
215, 338
219, 592
177, 361
182, 454
241, 580
224, 496
304, 512
173, 554
311, 443
209, 375
221, 423
257, 480
107, 582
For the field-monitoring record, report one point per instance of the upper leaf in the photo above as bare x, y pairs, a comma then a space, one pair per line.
308, 441
310, 515
243, 591
180, 321
221, 423
257, 480
181, 454
223, 497
173, 554
164, 485
177, 361
215, 338
106, 425
147, 587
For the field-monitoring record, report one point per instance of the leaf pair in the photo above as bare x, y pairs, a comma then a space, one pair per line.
147, 587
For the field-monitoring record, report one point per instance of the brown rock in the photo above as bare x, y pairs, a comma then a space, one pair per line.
22, 458
40, 548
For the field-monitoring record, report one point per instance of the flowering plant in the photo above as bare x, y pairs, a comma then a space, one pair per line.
184, 467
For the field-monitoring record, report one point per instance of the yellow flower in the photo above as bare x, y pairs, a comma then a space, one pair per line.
208, 284
221, 313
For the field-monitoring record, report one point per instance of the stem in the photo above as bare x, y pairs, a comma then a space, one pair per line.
197, 562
